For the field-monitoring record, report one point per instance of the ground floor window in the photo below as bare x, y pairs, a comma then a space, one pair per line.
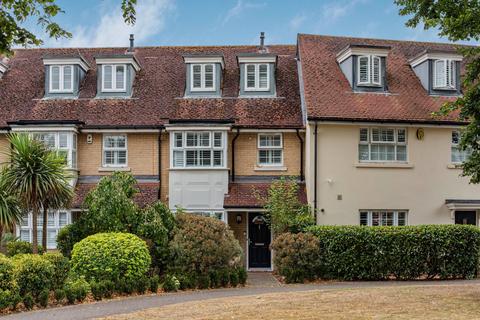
56, 220
383, 217
220, 215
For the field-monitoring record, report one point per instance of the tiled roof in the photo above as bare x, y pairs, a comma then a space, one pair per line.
328, 95
250, 195
148, 193
158, 90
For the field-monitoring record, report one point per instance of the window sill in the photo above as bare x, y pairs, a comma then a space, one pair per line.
271, 168
383, 165
198, 168
112, 169
454, 166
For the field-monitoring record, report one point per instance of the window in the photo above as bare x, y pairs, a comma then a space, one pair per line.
257, 77
56, 221
211, 214
270, 149
383, 218
114, 77
114, 150
198, 149
202, 77
369, 70
444, 74
458, 155
64, 142
382, 144
61, 78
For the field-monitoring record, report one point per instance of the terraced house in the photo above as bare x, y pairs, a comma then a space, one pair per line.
206, 128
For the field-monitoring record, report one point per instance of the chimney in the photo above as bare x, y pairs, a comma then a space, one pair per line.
262, 40
132, 43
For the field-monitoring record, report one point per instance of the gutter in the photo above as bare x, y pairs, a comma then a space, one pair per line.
387, 121
315, 165
233, 154
302, 176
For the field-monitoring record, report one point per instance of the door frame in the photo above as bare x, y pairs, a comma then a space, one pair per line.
247, 262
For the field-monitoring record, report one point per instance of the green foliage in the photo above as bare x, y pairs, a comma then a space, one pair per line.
142, 284
76, 289
98, 290
242, 276
234, 278
284, 211
59, 295
154, 282
203, 281
10, 211
187, 281
458, 21
6, 299
297, 256
214, 279
111, 256
28, 301
7, 279
43, 298
171, 283
67, 237
224, 277
109, 287
33, 274
15, 299
61, 267
70, 294
202, 244
18, 247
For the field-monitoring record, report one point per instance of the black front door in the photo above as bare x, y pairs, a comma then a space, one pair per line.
259, 255
466, 217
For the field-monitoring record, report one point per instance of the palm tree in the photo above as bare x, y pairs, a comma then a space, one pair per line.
10, 211
36, 175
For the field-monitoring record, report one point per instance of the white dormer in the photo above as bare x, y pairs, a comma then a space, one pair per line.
115, 75
63, 75
204, 73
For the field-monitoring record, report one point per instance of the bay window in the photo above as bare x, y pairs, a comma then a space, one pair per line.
198, 149
382, 144
63, 142
270, 149
56, 220
383, 218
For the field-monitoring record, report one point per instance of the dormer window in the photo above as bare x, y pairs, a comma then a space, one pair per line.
369, 70
444, 74
114, 77
61, 78
257, 77
202, 77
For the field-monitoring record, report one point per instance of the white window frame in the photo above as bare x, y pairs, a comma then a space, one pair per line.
383, 211
56, 227
462, 154
211, 147
448, 77
114, 88
370, 142
259, 148
202, 77
104, 148
370, 71
257, 77
61, 78
70, 149
210, 213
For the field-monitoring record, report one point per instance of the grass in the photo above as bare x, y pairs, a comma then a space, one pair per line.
412, 302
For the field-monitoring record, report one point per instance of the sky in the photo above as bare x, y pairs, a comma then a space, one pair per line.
98, 23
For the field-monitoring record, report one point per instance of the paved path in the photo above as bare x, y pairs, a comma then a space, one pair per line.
266, 285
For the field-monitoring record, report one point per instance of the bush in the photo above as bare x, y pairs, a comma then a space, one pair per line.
98, 290
59, 295
111, 256
187, 281
6, 299
17, 247
33, 274
224, 277
43, 298
6, 273
127, 286
202, 244
297, 256
28, 301
67, 237
214, 279
109, 287
61, 267
203, 281
76, 289
234, 278
154, 281
16, 299
171, 283
242, 276
142, 284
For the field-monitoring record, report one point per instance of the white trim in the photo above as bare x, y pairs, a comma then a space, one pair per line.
61, 78
462, 206
173, 127
435, 56
345, 54
114, 78
3, 68
72, 61
207, 60
272, 130
123, 60
257, 59
257, 77
125, 165
270, 166
202, 87
39, 127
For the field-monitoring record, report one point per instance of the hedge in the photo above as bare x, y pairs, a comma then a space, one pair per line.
403, 253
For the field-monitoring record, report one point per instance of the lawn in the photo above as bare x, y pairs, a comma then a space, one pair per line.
412, 302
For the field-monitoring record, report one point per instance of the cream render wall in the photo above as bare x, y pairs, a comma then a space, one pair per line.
421, 187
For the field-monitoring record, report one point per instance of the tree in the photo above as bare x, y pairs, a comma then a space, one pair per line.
35, 175
13, 13
458, 20
10, 211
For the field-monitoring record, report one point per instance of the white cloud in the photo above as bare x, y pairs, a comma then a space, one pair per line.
239, 8
111, 30
297, 21
337, 9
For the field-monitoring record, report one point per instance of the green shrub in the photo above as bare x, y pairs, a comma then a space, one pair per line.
43, 298
16, 299
203, 281
98, 290
125, 285
28, 301
297, 256
61, 267
171, 283
70, 294
214, 279
6, 273
76, 289
234, 278
187, 281
109, 287
242, 276
6, 299
224, 277
17, 247
59, 295
202, 244
111, 256
68, 236
154, 281
142, 284
33, 274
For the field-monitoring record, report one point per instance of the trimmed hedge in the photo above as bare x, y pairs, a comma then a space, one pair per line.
110, 256
33, 274
403, 253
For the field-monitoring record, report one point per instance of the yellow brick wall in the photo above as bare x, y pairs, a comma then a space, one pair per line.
239, 229
246, 154
4, 149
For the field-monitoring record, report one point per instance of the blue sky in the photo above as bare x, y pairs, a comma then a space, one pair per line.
218, 22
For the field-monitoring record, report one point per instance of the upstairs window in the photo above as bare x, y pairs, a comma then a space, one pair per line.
257, 77
63, 142
114, 77
382, 145
115, 150
202, 77
369, 70
444, 74
383, 218
198, 149
61, 79
459, 155
270, 149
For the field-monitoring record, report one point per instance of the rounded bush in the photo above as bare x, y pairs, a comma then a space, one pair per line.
110, 256
76, 289
17, 247
6, 273
33, 274
61, 267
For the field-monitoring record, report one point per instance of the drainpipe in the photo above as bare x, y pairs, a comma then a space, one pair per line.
159, 196
315, 158
233, 154
302, 176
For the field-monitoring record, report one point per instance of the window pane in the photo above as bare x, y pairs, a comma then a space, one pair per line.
205, 158
191, 157
401, 135
178, 158
363, 69
455, 137
178, 140
209, 76
120, 77
197, 75
62, 219
364, 218
387, 219
120, 141
250, 76
121, 157
402, 218
107, 77
24, 222
55, 77
440, 73
51, 219
363, 152
263, 73
109, 157
204, 139
401, 153
51, 238
63, 140
67, 77
192, 139
375, 218
217, 139
364, 135
217, 158
376, 70
25, 235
